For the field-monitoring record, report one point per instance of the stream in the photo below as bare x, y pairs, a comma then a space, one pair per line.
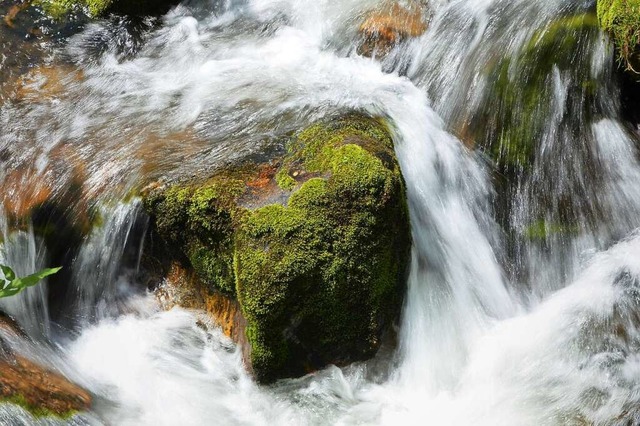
504, 323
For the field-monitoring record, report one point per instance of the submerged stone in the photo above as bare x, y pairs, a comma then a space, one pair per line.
522, 90
533, 124
313, 246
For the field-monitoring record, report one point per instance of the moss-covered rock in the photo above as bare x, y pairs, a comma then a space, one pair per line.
621, 19
200, 221
315, 254
534, 124
95, 8
520, 102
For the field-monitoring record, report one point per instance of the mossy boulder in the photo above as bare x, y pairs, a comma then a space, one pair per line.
313, 244
621, 20
96, 8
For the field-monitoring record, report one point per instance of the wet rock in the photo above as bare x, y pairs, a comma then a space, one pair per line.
24, 191
10, 17
312, 246
520, 98
95, 8
45, 83
38, 389
21, 35
55, 204
538, 103
181, 286
388, 25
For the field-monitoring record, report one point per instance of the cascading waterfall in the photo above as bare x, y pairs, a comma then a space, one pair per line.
510, 317
100, 281
22, 250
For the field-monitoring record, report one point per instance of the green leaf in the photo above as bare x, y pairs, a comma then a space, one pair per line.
33, 279
9, 292
13, 285
9, 275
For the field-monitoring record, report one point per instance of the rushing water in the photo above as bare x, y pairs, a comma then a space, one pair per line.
504, 323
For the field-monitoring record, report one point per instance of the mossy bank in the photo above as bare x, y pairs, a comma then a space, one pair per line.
313, 245
621, 20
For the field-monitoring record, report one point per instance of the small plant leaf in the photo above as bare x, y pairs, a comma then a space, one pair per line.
33, 279
13, 285
9, 275
9, 292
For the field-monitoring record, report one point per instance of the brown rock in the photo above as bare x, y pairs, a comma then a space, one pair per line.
389, 25
159, 153
40, 390
226, 314
14, 10
36, 388
23, 191
47, 82
9, 326
182, 287
62, 183
265, 175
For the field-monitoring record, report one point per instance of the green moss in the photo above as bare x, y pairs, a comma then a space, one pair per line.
520, 103
95, 8
542, 230
319, 278
55, 8
199, 220
325, 271
314, 145
554, 43
59, 8
621, 19
285, 181
37, 411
